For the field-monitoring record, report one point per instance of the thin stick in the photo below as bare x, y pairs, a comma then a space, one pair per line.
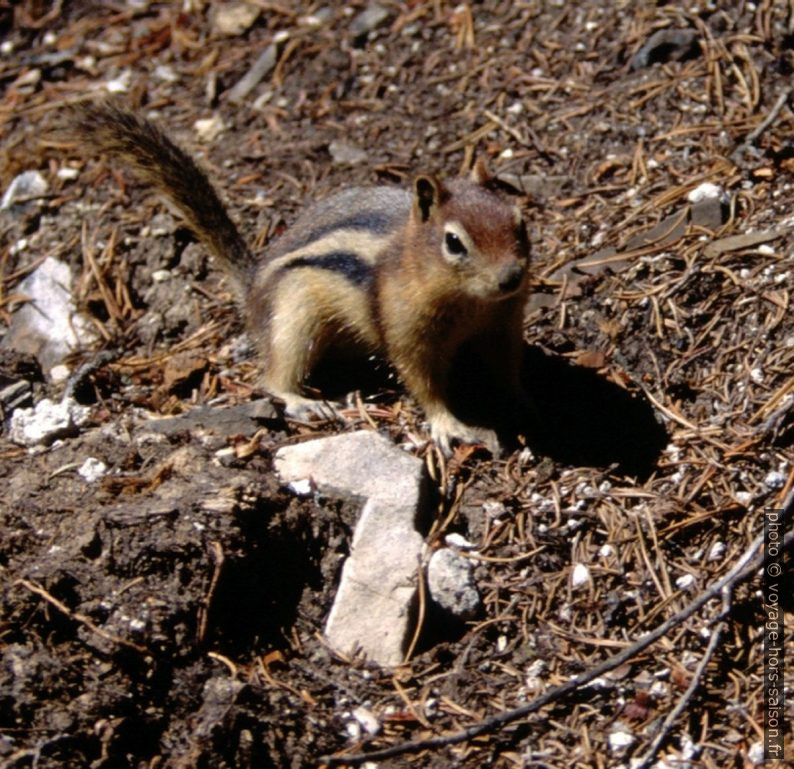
673, 715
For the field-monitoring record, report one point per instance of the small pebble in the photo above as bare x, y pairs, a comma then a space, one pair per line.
368, 720
209, 129
606, 550
302, 488
92, 469
232, 19
620, 739
166, 74
774, 480
685, 581
346, 154
756, 753
368, 19
717, 551
704, 191
459, 541
119, 84
67, 173
580, 576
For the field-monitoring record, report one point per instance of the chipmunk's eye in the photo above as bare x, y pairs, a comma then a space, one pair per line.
454, 244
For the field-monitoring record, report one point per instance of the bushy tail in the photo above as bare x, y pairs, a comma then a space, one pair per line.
159, 162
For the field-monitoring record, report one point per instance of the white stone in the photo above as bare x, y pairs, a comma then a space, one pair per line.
119, 84
459, 541
232, 19
28, 184
704, 191
48, 326
450, 581
60, 373
46, 421
166, 74
774, 480
534, 676
368, 720
620, 739
744, 497
494, 508
209, 129
92, 469
352, 466
302, 488
685, 582
372, 610
756, 753
659, 689
716, 552
67, 173
580, 577
606, 550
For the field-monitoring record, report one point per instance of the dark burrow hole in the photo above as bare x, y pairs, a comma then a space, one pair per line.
256, 599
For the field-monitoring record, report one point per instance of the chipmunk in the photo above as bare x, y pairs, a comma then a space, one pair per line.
412, 275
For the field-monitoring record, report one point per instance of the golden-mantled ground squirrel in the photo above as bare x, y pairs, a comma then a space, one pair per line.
411, 275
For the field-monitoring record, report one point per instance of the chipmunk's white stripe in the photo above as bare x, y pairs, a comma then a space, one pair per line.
364, 245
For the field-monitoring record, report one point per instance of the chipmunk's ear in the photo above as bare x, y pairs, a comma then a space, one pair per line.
427, 196
479, 172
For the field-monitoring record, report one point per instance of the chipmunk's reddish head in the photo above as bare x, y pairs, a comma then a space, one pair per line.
478, 235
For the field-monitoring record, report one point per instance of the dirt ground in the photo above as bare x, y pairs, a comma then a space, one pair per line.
170, 614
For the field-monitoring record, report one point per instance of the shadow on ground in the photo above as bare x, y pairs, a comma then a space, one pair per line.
586, 420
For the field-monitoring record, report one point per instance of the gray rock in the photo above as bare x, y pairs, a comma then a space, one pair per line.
450, 581
243, 419
372, 610
710, 213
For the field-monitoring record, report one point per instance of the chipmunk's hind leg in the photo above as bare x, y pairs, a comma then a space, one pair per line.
297, 335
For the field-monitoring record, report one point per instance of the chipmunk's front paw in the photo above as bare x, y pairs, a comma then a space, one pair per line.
445, 429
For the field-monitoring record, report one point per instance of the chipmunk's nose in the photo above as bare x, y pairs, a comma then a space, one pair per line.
510, 277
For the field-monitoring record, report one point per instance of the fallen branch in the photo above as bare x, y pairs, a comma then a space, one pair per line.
745, 567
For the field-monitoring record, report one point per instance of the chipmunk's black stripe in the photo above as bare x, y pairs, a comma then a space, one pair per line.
345, 263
